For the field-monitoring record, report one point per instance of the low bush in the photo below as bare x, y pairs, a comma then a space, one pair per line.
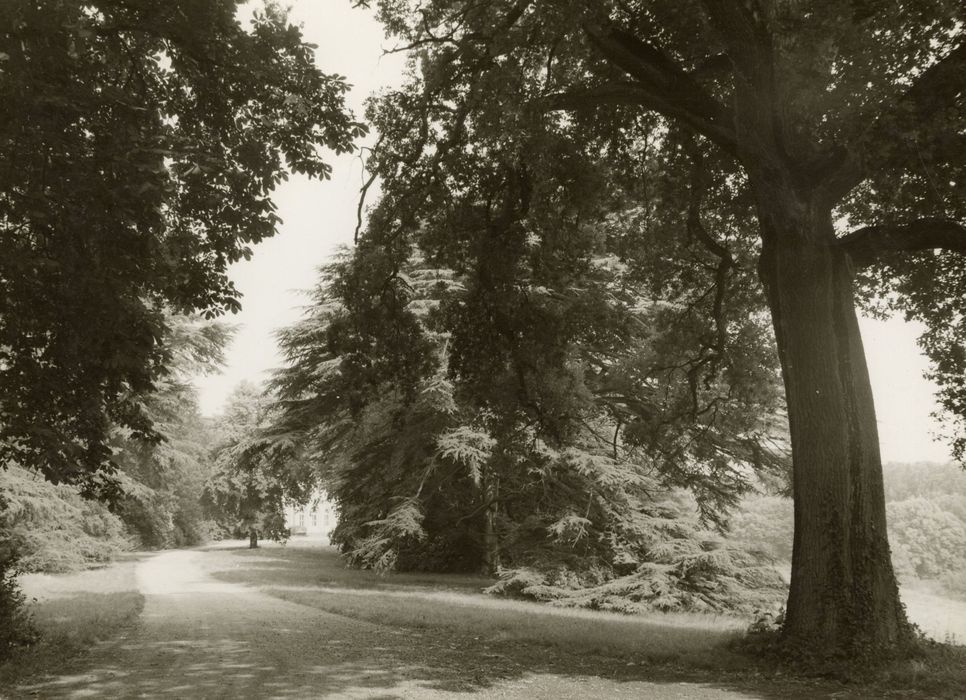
16, 629
715, 579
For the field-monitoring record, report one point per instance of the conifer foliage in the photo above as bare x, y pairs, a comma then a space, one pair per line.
160, 482
438, 468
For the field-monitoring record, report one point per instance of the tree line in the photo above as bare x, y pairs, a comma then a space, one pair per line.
616, 260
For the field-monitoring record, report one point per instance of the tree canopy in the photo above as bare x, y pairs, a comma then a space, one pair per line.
141, 141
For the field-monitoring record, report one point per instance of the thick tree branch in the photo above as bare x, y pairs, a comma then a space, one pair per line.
361, 204
936, 89
659, 84
867, 244
373, 174
743, 30
630, 93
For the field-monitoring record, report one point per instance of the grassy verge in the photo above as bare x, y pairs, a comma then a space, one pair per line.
659, 640
72, 612
451, 609
318, 579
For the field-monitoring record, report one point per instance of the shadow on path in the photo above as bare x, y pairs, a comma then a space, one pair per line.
202, 638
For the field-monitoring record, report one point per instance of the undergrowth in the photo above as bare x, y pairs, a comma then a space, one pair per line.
16, 626
921, 666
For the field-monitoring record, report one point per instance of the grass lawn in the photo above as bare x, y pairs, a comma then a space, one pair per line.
450, 610
317, 578
72, 612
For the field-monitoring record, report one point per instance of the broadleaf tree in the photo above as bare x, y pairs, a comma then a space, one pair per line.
252, 478
814, 150
141, 141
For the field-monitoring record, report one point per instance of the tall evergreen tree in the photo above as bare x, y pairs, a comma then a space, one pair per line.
505, 465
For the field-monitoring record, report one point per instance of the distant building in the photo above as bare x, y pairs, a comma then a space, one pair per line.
315, 519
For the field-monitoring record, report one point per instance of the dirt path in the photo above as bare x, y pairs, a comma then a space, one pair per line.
199, 638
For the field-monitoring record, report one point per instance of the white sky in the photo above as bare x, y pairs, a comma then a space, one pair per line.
320, 216
317, 216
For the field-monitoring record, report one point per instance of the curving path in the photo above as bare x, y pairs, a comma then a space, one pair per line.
198, 638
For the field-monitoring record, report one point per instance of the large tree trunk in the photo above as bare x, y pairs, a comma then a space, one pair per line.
253, 539
844, 596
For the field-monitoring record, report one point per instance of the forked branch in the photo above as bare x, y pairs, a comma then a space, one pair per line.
936, 89
658, 83
866, 245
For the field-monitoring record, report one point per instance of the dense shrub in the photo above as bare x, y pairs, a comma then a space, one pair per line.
15, 626
53, 529
707, 577
16, 629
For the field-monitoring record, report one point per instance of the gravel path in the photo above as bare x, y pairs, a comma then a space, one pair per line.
199, 638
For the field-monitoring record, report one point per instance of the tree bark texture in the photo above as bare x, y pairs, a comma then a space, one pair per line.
843, 595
